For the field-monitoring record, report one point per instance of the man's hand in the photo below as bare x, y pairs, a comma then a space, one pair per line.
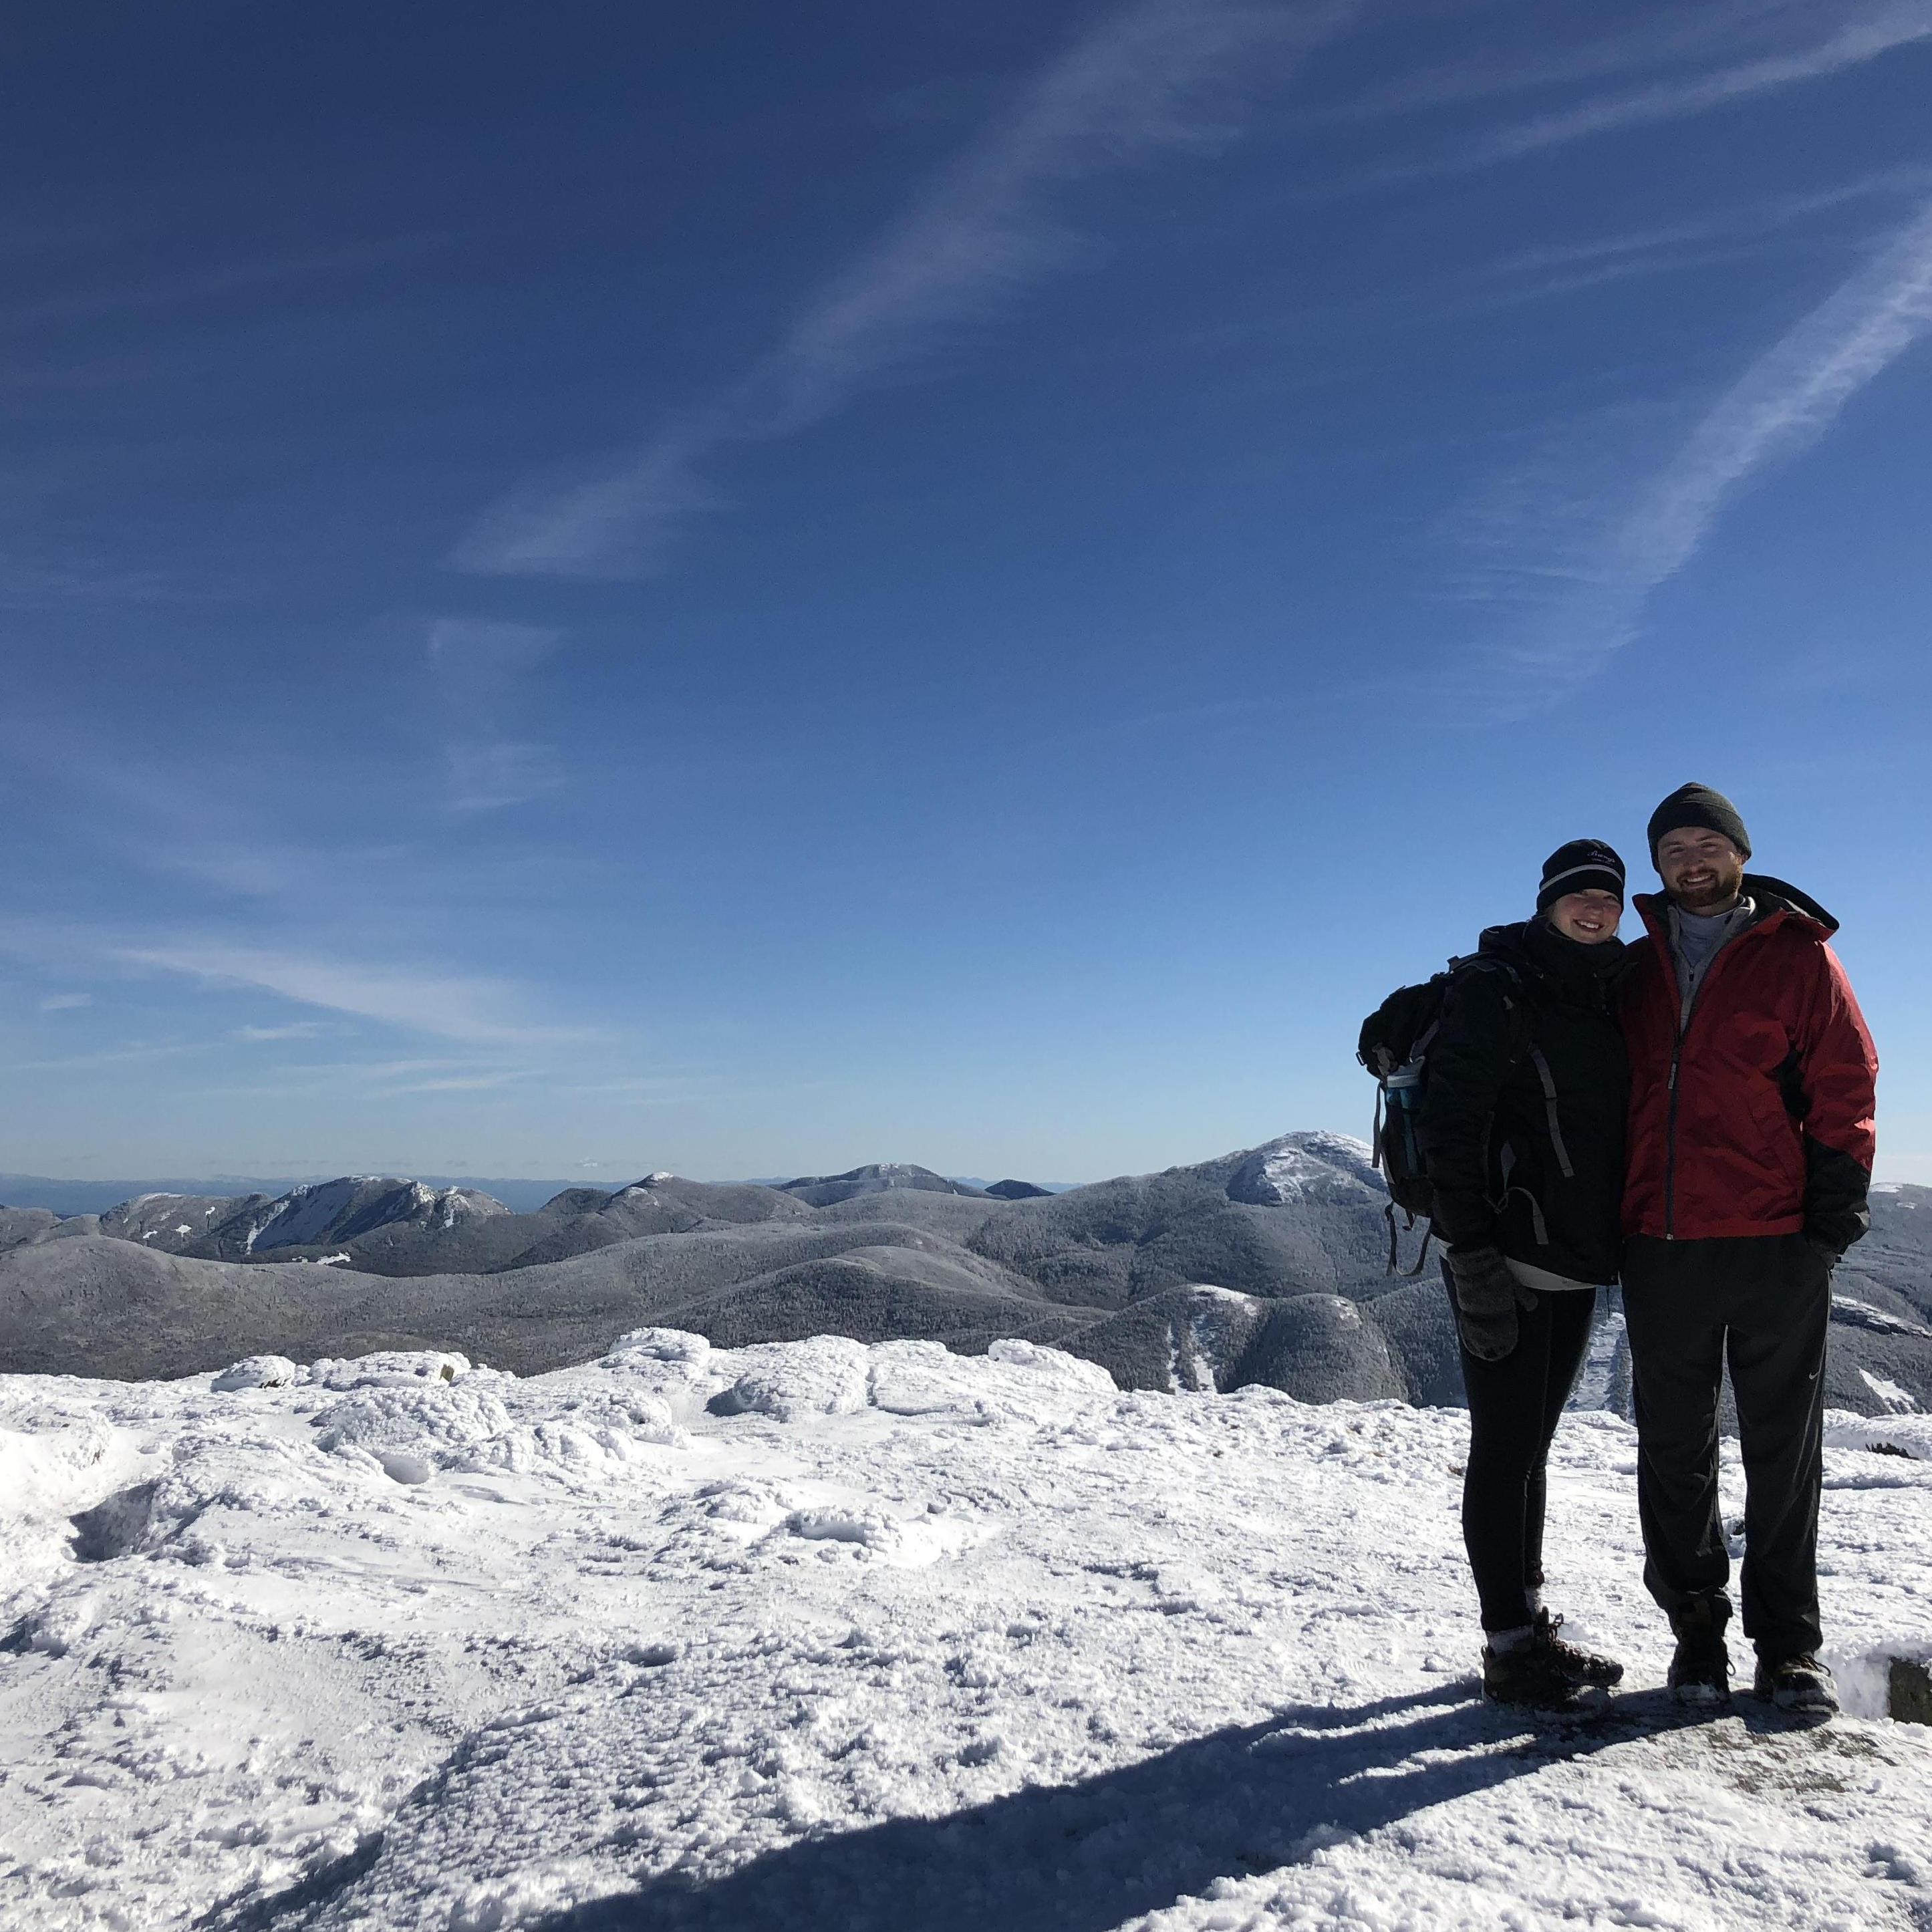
1829, 1252
1487, 1296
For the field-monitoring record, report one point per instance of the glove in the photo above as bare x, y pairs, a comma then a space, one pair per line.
1828, 1252
1487, 1296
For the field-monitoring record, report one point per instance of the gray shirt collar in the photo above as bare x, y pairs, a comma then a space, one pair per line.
1696, 939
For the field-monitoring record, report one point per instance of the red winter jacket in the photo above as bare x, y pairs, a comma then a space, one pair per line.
1757, 1119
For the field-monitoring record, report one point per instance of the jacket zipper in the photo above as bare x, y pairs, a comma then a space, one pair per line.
1670, 1139
1677, 1060
1670, 1123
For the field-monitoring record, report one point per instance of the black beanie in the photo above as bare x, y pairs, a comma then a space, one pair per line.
1698, 805
1583, 865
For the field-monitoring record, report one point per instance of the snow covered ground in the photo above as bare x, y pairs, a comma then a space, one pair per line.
821, 1635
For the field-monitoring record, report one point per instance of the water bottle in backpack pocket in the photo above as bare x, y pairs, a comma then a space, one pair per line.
1398, 1141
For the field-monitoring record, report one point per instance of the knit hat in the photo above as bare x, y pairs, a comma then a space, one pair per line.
1583, 865
1696, 805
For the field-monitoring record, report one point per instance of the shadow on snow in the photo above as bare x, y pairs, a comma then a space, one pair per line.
1083, 1857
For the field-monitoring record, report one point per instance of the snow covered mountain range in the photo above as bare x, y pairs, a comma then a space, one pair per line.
872, 1552
1266, 1267
819, 1637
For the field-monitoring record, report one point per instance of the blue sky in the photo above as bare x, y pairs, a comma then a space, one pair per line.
589, 588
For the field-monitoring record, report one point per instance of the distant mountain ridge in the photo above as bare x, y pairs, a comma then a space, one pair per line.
382, 1224
824, 1190
1267, 1265
322, 1213
66, 1198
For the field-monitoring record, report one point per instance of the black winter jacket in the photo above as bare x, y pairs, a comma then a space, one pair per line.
1495, 1162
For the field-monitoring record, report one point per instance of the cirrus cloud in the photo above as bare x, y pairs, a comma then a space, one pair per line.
1154, 75
447, 1006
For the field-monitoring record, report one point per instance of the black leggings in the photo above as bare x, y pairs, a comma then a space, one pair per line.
1514, 1407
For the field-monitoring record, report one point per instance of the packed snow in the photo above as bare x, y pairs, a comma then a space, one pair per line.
826, 1635
1862, 1315
1603, 1381
1317, 1166
1895, 1400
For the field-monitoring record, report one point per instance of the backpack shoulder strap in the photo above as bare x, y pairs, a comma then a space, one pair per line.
1468, 964
1523, 1046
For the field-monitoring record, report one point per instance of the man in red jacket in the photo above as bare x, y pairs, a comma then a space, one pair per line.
1752, 1083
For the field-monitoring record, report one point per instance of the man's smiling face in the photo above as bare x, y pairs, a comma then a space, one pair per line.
1702, 870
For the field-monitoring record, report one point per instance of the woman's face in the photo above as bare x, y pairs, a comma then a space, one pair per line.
1589, 917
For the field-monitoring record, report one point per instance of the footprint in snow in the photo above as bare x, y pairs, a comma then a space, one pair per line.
873, 1536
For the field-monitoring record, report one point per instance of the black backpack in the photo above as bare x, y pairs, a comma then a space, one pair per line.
1394, 1047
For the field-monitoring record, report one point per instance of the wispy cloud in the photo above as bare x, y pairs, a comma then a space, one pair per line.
481, 665
382, 1079
1852, 45
214, 282
1684, 64
484, 657
1752, 218
496, 773
295, 1030
464, 1083
1623, 46
1561, 268
479, 1011
1155, 75
65, 1002
1587, 597
134, 1054
396, 1069
130, 802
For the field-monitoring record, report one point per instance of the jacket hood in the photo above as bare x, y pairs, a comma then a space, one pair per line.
1770, 896
1776, 895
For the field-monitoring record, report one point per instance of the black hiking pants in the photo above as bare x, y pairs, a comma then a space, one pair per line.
1764, 1302
1514, 1407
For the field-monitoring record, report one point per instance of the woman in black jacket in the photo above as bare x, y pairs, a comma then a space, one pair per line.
1522, 1126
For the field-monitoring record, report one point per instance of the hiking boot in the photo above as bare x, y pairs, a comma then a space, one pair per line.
1579, 1665
1799, 1683
1527, 1674
1700, 1671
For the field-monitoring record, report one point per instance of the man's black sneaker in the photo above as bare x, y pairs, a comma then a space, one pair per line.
1799, 1683
1579, 1665
1527, 1674
1700, 1671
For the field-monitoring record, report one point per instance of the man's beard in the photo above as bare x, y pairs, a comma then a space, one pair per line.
1723, 885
